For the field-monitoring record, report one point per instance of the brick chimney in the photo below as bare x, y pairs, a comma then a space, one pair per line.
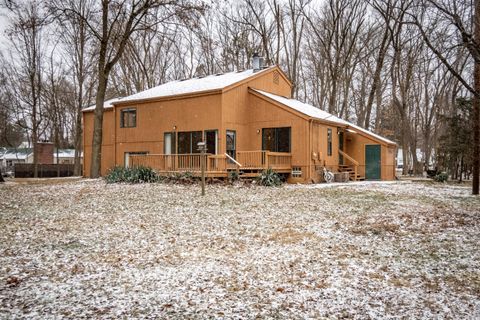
44, 152
257, 62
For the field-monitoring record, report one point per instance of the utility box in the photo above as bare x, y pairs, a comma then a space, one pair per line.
341, 177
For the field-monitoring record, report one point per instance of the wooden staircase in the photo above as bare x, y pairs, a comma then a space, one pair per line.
351, 171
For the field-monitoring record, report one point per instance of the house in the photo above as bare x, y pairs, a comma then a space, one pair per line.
10, 156
47, 154
420, 158
248, 121
64, 156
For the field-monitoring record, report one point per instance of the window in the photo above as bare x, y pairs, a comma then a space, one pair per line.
276, 139
128, 118
340, 145
231, 143
296, 172
188, 140
329, 142
127, 159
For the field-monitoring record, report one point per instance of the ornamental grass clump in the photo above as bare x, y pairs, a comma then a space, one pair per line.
441, 177
269, 178
131, 175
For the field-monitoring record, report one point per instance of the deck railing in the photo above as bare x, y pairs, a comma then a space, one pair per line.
278, 160
245, 160
170, 162
264, 159
352, 161
251, 159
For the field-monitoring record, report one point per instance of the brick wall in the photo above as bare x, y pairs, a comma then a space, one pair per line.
44, 152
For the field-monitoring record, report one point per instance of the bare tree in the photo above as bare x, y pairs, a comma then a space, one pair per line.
112, 27
459, 20
28, 22
76, 40
336, 32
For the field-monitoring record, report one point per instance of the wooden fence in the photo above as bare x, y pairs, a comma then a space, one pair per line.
25, 170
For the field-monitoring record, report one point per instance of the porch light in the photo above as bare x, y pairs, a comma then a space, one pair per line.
258, 131
174, 128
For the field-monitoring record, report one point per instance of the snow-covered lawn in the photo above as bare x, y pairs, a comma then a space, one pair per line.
84, 249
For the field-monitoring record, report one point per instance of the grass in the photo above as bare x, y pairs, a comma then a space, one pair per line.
82, 248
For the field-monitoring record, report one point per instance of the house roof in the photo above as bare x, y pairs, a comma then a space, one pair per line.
65, 153
194, 85
197, 85
15, 153
317, 113
106, 105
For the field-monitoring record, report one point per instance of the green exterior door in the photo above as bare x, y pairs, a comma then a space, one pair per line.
373, 162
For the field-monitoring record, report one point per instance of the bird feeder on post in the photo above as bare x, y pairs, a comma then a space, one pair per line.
202, 146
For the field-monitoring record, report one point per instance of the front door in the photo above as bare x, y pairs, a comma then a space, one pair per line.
372, 162
169, 143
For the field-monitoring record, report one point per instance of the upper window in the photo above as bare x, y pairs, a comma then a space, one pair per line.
329, 142
128, 118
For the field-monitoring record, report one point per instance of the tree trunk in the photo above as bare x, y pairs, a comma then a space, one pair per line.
95, 169
476, 124
476, 107
376, 77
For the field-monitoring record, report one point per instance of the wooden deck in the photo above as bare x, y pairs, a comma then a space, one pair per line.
247, 163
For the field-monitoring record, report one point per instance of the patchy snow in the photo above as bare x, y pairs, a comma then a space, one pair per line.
84, 249
211, 82
317, 113
108, 104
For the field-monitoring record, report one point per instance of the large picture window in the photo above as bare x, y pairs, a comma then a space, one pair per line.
128, 118
187, 141
276, 139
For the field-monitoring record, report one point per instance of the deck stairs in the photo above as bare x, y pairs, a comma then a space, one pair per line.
351, 171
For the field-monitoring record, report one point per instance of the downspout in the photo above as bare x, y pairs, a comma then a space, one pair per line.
115, 135
310, 138
82, 152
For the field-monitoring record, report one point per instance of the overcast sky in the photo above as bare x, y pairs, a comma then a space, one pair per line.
3, 26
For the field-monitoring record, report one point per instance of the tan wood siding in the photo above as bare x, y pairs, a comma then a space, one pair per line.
356, 148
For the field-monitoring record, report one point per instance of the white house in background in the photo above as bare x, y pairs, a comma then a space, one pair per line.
65, 156
420, 157
10, 156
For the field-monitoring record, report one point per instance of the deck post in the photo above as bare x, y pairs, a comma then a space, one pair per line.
201, 147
